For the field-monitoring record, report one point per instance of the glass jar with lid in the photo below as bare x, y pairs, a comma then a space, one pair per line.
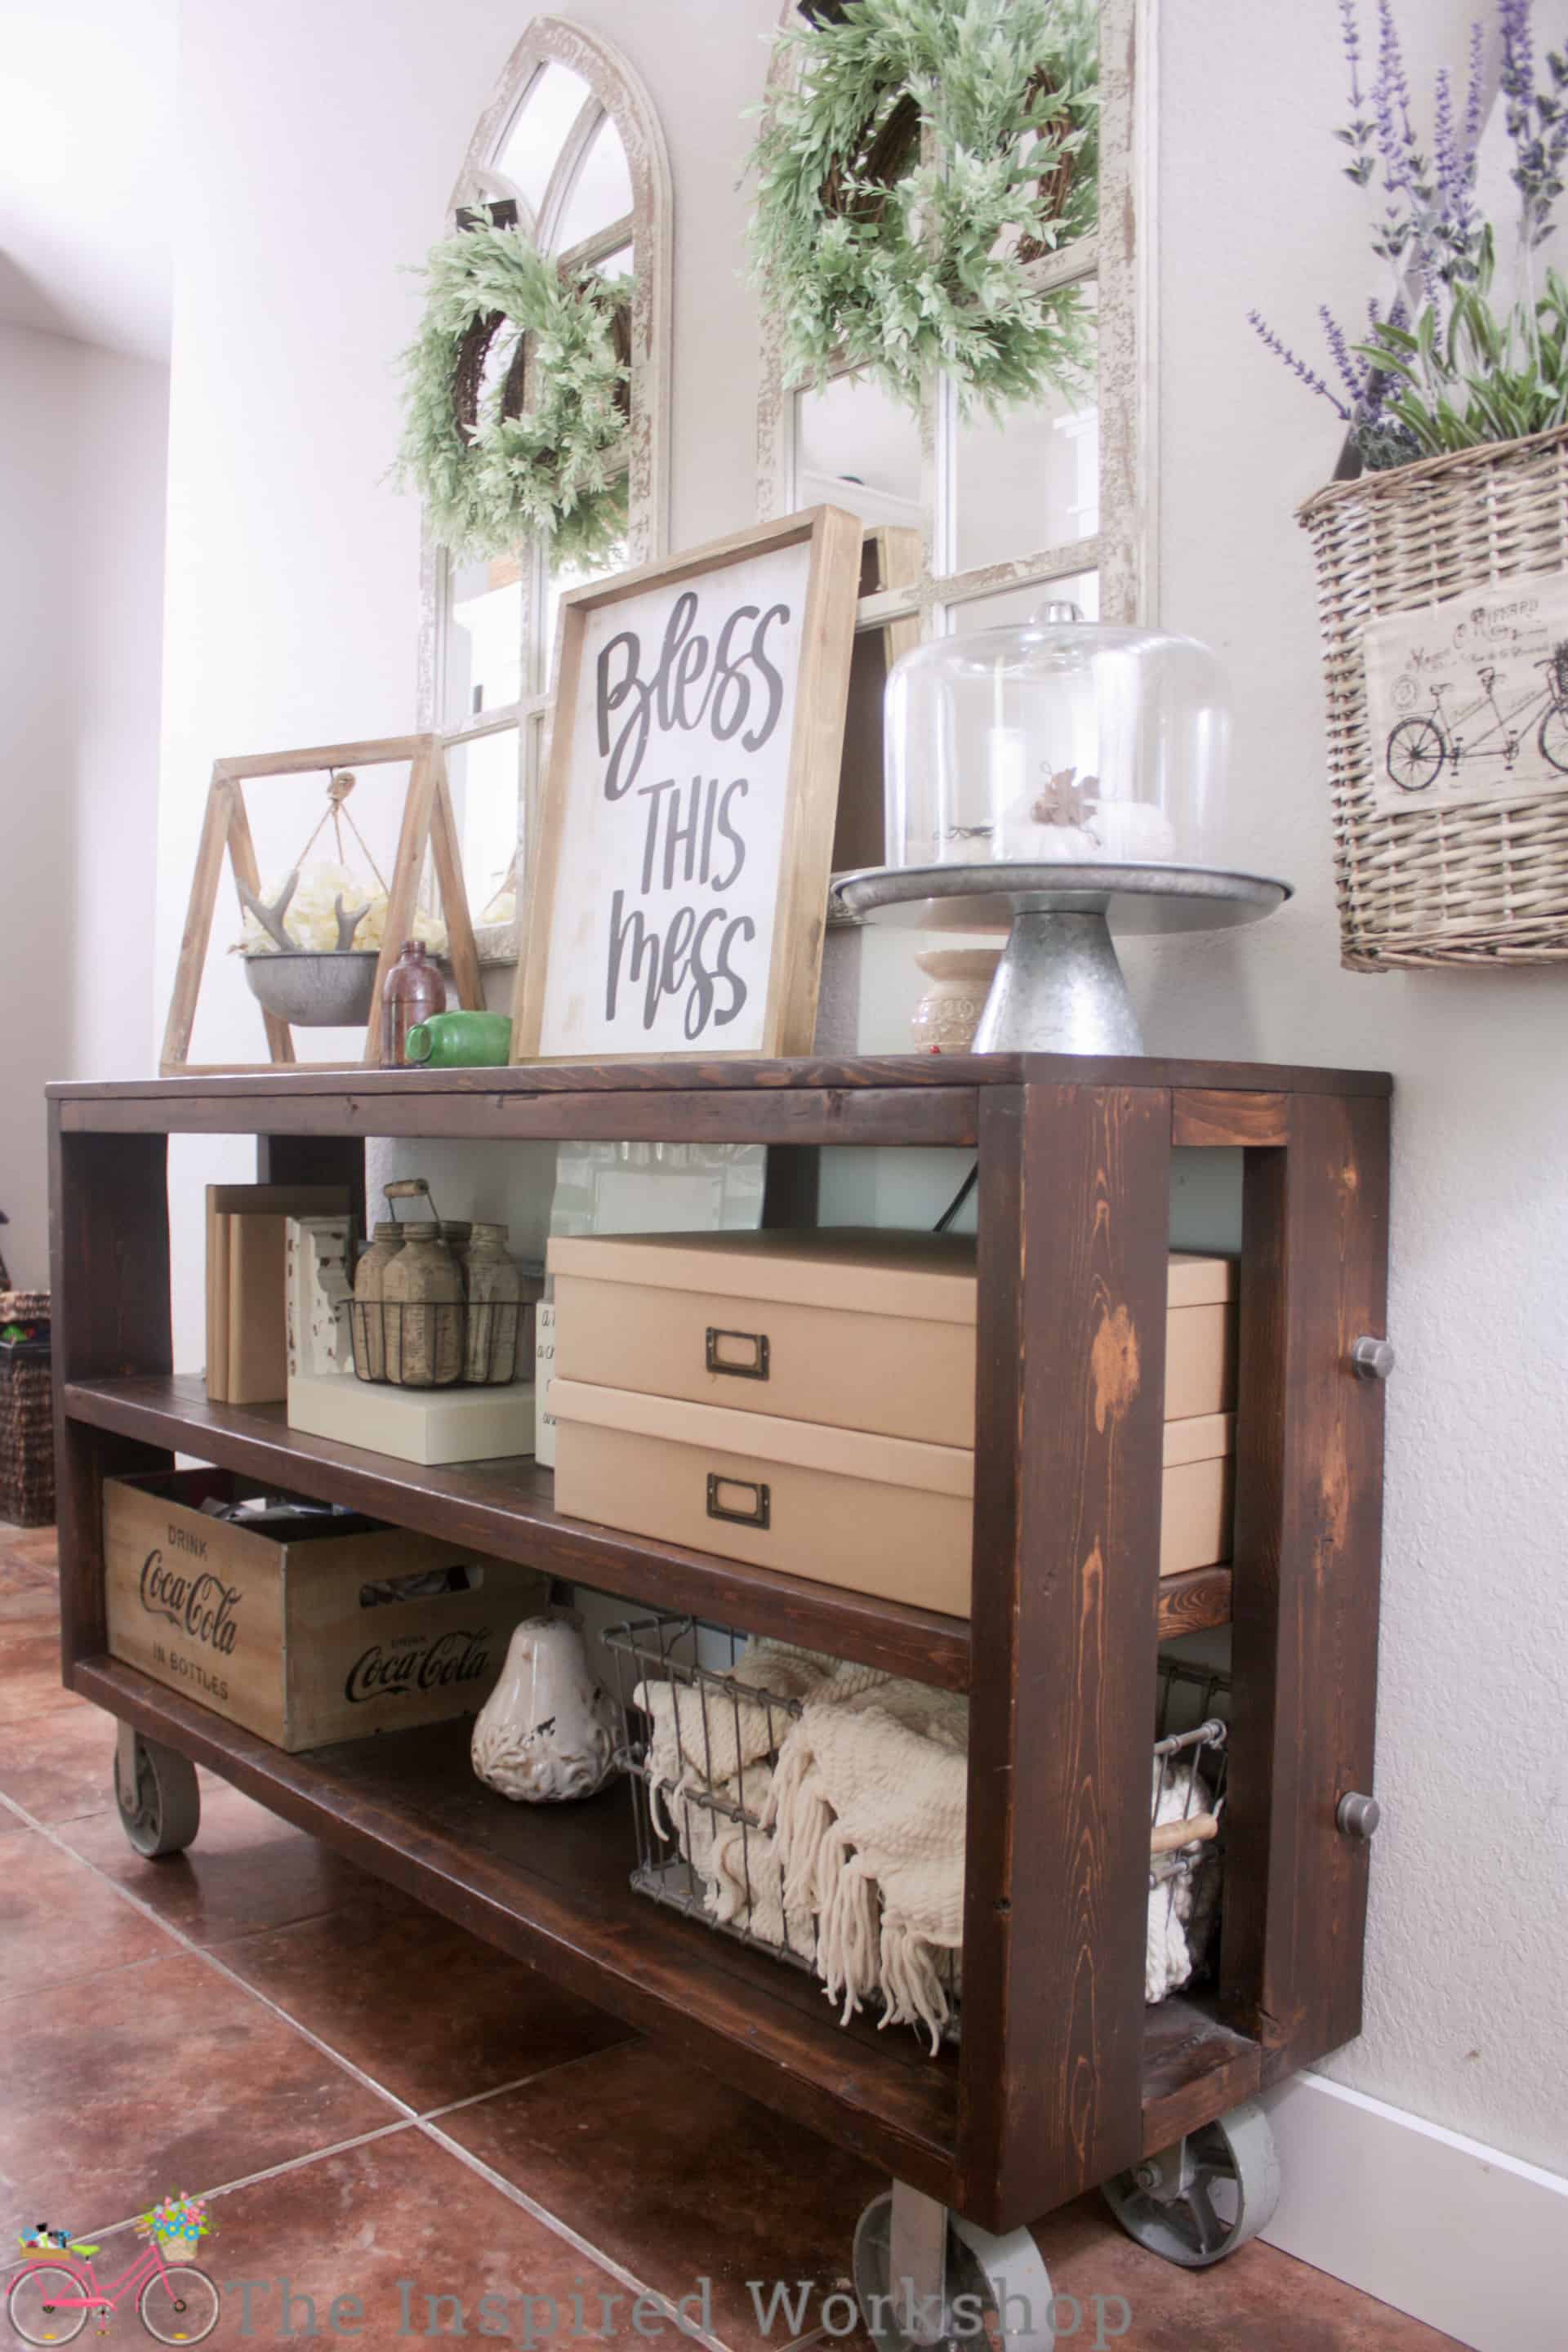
1064, 742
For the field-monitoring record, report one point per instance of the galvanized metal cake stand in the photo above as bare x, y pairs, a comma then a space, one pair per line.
1058, 987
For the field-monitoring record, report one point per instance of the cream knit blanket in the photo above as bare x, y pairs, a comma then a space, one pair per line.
709, 1743
861, 1804
1182, 1902
868, 1808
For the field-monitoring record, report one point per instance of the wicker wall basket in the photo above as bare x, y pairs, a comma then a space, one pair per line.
1480, 884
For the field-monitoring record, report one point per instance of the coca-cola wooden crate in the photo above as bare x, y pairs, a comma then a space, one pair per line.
296, 1638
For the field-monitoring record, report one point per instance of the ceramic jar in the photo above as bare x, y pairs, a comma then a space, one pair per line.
413, 991
456, 1233
422, 1290
370, 1292
948, 1015
546, 1731
495, 1291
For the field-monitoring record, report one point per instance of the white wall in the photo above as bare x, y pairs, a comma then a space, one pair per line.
319, 147
318, 151
1465, 2024
82, 439
1470, 1872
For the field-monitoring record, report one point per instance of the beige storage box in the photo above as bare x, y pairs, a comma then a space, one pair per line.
290, 1638
858, 1329
890, 1515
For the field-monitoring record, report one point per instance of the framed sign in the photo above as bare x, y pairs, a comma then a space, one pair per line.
680, 891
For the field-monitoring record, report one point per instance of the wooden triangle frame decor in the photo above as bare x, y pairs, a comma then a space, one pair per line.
428, 824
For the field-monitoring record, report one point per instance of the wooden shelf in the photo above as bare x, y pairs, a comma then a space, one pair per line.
90, 1103
508, 1508
1062, 2076
550, 1884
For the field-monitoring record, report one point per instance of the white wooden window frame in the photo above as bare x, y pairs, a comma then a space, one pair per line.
1120, 260
615, 90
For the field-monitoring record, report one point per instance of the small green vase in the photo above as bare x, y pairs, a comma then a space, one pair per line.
459, 1041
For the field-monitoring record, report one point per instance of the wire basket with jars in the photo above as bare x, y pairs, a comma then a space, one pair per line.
439, 1303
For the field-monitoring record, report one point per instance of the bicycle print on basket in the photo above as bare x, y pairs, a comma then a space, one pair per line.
1417, 747
1468, 700
57, 2289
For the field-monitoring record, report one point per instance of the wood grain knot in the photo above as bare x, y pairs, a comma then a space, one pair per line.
1113, 1366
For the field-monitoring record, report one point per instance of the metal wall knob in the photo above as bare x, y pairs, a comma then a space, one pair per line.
1358, 1816
1372, 1359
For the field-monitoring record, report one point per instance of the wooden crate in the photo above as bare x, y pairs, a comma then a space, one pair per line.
283, 1637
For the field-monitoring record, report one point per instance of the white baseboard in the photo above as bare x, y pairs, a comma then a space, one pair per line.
1453, 2232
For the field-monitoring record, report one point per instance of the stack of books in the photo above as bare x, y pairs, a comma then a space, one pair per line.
248, 1327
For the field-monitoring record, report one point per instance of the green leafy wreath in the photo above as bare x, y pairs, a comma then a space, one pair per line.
895, 263
500, 323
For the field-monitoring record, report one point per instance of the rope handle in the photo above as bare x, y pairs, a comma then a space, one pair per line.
1169, 1837
410, 1188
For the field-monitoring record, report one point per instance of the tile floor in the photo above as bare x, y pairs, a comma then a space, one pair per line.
372, 2098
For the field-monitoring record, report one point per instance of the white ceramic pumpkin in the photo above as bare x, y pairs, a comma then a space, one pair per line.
547, 1730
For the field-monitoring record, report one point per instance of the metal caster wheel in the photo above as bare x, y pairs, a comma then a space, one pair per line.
157, 1793
1002, 2281
1198, 2201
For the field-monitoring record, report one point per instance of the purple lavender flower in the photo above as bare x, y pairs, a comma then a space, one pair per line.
1454, 227
1391, 68
1445, 153
1518, 64
1357, 133
1389, 145
1536, 122
1533, 166
1473, 97
1351, 35
1271, 342
1428, 227
1380, 381
1353, 371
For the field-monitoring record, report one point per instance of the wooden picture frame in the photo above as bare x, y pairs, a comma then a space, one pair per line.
427, 823
700, 714
889, 565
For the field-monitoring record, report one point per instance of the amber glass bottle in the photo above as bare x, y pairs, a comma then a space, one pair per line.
413, 990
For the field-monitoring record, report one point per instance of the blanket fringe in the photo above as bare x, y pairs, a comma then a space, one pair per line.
910, 1976
799, 1816
846, 1926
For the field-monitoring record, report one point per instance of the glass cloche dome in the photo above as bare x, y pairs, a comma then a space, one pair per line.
1062, 742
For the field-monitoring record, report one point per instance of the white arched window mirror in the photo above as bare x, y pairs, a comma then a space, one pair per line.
571, 150
970, 523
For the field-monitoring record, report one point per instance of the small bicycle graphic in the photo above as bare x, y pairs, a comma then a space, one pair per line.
1418, 748
51, 2299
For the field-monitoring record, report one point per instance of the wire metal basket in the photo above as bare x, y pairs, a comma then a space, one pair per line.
437, 1343
702, 1849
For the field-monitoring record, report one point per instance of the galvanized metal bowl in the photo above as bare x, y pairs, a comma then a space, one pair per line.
314, 988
